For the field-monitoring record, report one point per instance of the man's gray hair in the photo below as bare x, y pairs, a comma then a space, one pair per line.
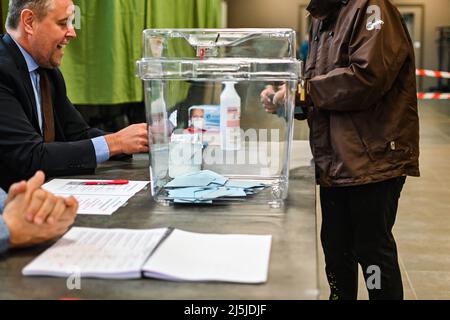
39, 7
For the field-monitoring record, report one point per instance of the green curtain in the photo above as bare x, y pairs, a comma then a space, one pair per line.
99, 66
183, 13
3, 13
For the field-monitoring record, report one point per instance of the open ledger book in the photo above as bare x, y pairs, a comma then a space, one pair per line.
169, 254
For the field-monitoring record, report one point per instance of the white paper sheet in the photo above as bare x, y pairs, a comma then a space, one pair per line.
95, 199
100, 253
176, 256
211, 257
100, 204
76, 186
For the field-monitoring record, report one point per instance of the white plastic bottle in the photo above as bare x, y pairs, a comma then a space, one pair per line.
230, 118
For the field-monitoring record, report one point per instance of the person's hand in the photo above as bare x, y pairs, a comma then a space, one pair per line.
23, 232
160, 130
15, 190
39, 206
132, 139
28, 188
20, 187
271, 100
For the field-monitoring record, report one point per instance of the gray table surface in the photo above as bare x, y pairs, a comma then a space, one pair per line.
293, 259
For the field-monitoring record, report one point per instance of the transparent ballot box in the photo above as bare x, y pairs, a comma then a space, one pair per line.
211, 139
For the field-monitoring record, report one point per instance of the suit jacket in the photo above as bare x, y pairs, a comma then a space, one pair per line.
22, 147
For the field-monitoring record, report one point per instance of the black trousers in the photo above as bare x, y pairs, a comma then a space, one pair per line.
357, 226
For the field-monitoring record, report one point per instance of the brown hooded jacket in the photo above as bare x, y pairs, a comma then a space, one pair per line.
364, 123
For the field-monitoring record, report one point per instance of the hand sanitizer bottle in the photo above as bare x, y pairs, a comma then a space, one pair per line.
230, 118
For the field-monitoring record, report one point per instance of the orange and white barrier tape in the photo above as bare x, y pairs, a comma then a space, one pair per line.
433, 96
432, 74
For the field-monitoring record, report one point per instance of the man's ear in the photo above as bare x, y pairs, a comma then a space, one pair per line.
28, 18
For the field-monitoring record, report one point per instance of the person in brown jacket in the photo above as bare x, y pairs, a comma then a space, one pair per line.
364, 135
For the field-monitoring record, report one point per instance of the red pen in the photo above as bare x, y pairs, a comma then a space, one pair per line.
110, 182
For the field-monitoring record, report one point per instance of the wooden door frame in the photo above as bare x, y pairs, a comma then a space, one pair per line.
302, 28
421, 6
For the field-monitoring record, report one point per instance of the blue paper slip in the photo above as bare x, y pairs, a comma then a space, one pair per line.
194, 181
222, 192
200, 193
192, 201
254, 190
185, 193
206, 186
197, 179
216, 178
244, 184
236, 192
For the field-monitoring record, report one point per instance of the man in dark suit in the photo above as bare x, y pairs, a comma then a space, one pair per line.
39, 127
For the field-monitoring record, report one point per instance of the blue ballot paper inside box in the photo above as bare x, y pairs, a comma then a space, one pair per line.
206, 186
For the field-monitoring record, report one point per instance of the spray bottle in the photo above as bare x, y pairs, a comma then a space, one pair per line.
230, 118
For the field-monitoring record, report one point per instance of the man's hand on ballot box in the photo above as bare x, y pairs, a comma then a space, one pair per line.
272, 99
132, 139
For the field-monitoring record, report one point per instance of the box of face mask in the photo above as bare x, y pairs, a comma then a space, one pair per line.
209, 124
208, 82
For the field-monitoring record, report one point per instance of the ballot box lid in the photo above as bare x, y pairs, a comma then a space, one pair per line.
238, 54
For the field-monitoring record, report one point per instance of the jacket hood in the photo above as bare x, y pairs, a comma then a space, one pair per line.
322, 9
